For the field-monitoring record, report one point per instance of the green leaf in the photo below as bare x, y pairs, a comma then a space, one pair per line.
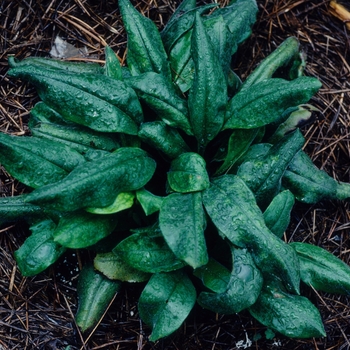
282, 56
181, 62
182, 223
150, 203
36, 162
114, 268
157, 257
96, 101
145, 48
166, 302
96, 183
291, 315
15, 208
237, 145
277, 214
214, 276
80, 229
163, 138
208, 94
308, 183
242, 290
181, 22
188, 173
322, 270
266, 100
58, 64
222, 39
232, 207
239, 16
112, 67
95, 292
263, 175
161, 97
39, 250
124, 200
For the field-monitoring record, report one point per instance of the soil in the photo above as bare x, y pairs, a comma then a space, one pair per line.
38, 312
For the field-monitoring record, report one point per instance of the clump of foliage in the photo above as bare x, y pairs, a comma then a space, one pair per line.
176, 173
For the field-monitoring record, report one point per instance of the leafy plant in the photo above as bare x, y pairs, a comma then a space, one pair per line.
176, 174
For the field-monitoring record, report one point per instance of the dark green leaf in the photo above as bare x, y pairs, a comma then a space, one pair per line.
37, 162
96, 101
263, 175
145, 48
214, 276
95, 292
166, 302
39, 250
64, 66
309, 184
291, 315
150, 203
80, 229
322, 270
284, 53
242, 290
15, 208
97, 183
112, 67
163, 138
266, 100
239, 16
182, 223
181, 62
113, 267
232, 207
147, 251
208, 94
188, 173
161, 96
237, 145
277, 214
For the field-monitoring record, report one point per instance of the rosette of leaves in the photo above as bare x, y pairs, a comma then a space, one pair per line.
176, 173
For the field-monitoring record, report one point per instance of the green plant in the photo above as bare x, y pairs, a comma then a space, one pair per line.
188, 173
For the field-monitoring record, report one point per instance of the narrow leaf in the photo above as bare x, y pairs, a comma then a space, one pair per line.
96, 183
232, 207
164, 138
161, 96
322, 270
266, 100
208, 94
112, 67
182, 223
291, 315
277, 214
166, 302
145, 48
263, 175
95, 292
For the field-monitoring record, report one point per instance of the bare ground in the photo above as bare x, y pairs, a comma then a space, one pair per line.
37, 313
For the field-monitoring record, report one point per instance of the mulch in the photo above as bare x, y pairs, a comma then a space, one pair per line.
38, 312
